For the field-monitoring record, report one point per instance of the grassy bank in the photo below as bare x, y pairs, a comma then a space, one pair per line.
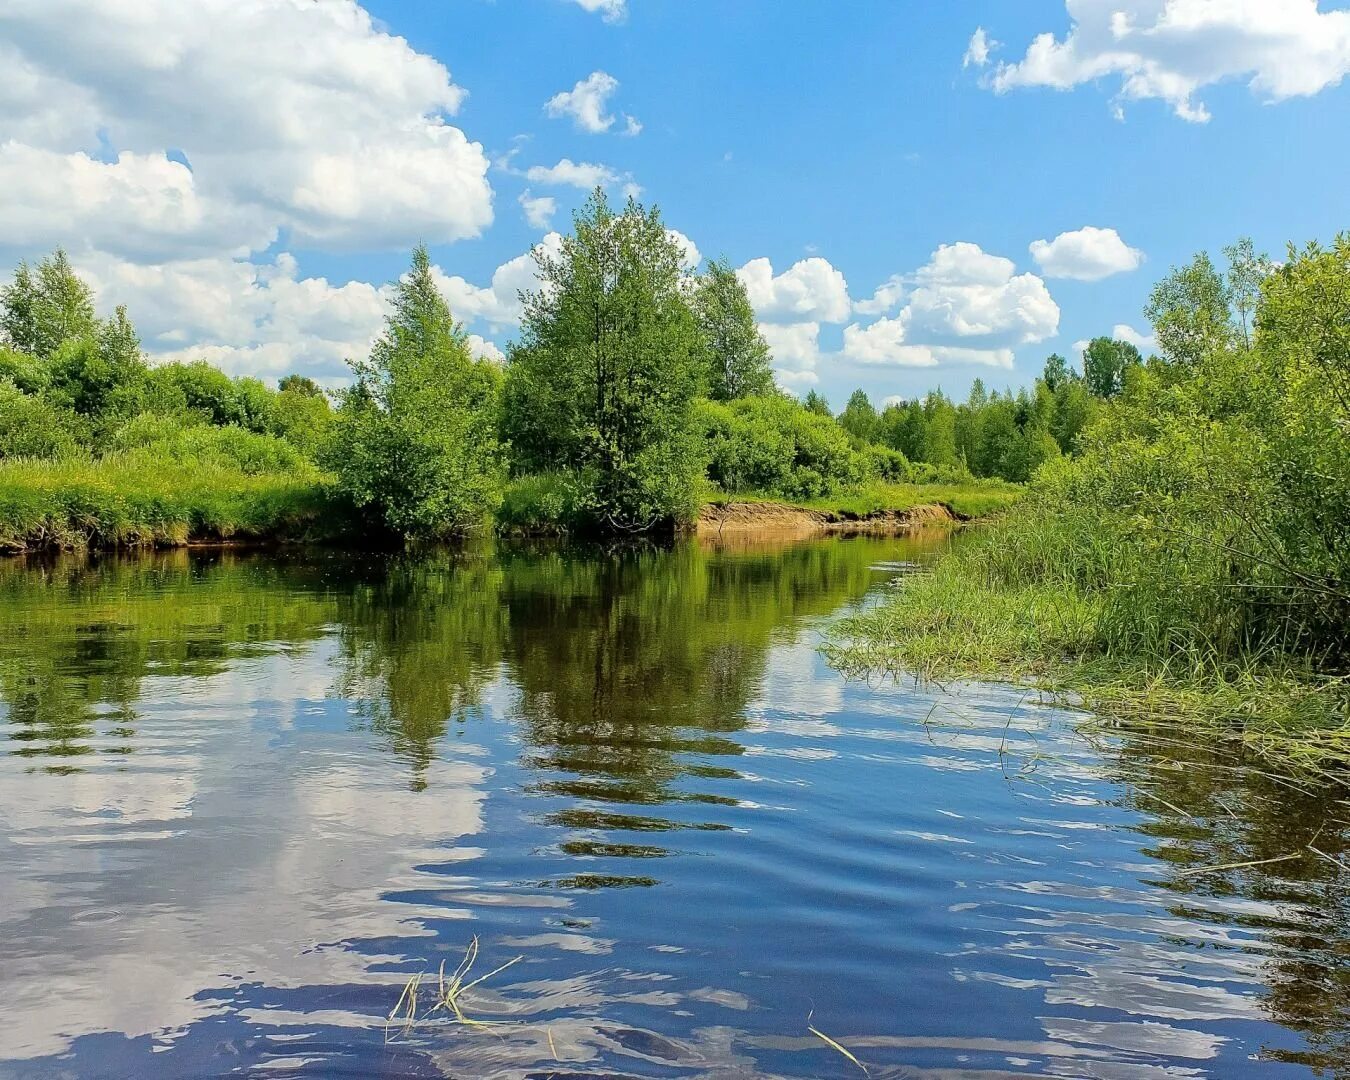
970, 501
967, 619
132, 499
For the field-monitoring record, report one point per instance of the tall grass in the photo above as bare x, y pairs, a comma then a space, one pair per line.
140, 498
1132, 628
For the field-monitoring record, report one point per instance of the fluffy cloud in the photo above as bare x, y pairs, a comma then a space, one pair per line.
1089, 254
809, 290
1145, 343
248, 318
486, 350
569, 173
285, 115
1169, 50
965, 307
587, 103
539, 209
497, 304
977, 52
889, 293
796, 351
144, 205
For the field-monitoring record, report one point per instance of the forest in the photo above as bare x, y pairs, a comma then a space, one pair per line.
638, 390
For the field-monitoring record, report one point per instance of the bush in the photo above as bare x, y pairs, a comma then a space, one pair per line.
542, 504
883, 463
774, 446
185, 442
32, 427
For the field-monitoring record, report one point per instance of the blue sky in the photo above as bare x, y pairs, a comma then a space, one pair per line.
864, 136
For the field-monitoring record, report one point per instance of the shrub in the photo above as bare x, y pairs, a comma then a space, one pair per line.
775, 446
33, 427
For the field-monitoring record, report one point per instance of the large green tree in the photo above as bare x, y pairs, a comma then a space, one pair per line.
610, 359
738, 355
1105, 361
416, 439
46, 305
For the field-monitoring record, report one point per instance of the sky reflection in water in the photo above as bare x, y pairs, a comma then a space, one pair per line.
245, 798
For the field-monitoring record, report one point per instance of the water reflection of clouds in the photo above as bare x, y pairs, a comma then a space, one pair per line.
214, 860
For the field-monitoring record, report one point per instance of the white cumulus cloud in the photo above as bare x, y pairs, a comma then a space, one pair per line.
1088, 254
569, 173
977, 52
539, 209
964, 306
289, 115
496, 304
1170, 50
587, 104
811, 289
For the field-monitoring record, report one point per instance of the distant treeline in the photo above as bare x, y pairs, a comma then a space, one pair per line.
636, 390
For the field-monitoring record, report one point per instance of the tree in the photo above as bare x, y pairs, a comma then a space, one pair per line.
816, 403
1104, 364
1246, 271
1189, 312
300, 384
610, 359
42, 309
416, 440
737, 354
1056, 373
860, 419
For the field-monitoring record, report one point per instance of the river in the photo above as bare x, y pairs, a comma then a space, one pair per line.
246, 798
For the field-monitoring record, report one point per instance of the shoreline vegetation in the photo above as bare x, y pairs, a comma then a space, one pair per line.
1192, 559
1169, 533
638, 392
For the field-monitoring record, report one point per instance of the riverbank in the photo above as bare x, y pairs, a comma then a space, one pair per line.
960, 621
130, 500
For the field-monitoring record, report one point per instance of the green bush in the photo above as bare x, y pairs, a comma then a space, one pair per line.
542, 504
184, 442
773, 445
33, 427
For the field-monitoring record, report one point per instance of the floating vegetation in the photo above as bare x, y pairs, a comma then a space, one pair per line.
404, 1016
836, 1046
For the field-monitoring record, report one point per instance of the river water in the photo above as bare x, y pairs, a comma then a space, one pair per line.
245, 799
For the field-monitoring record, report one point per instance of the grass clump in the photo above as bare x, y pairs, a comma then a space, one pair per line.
131, 499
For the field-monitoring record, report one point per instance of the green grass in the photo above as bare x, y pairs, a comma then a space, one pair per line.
962, 621
135, 499
976, 499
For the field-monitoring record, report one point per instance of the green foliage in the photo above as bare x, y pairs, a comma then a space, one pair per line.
1105, 362
543, 504
140, 498
31, 426
189, 443
415, 442
816, 403
610, 360
44, 307
1198, 539
860, 419
774, 446
737, 354
24, 371
96, 377
1190, 313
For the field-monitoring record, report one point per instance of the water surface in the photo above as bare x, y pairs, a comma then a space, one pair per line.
245, 798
